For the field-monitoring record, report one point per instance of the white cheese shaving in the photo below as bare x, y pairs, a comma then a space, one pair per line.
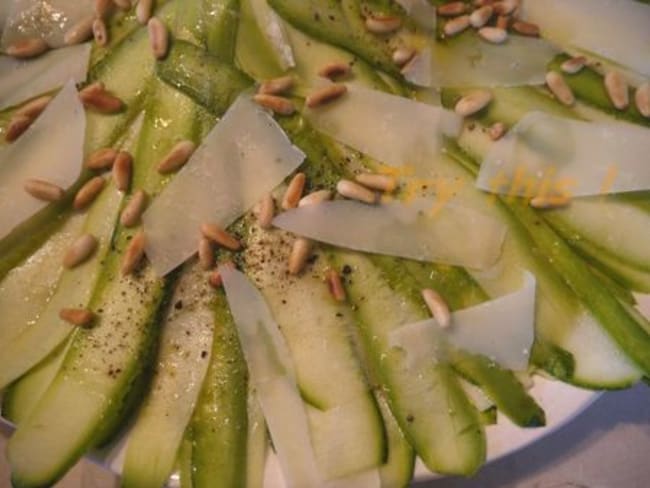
422, 230
422, 12
470, 61
616, 29
502, 330
544, 155
47, 19
51, 150
25, 79
272, 26
393, 130
244, 157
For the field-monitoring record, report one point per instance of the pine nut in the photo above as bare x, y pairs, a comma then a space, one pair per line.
80, 250
550, 201
506, 7
215, 279
335, 69
143, 11
276, 86
294, 191
325, 95
102, 7
383, 24
158, 37
133, 254
299, 255
17, 127
481, 16
96, 97
220, 237
80, 317
27, 48
266, 211
354, 191
276, 104
573, 65
559, 88
122, 170
101, 159
79, 32
206, 254
473, 102
314, 198
456, 25
88, 192
438, 307
123, 4
617, 89
44, 190
494, 35
452, 9
100, 32
642, 99
133, 210
496, 131
376, 181
35, 107
402, 55
503, 22
525, 28
177, 157
335, 285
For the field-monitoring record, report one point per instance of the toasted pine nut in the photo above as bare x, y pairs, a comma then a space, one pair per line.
495, 35
335, 285
44, 190
617, 89
294, 191
403, 55
496, 131
315, 197
102, 7
559, 88
642, 99
278, 105
550, 201
206, 253
35, 107
505, 7
80, 317
97, 98
503, 22
383, 24
79, 32
100, 32
122, 170
266, 211
335, 69
573, 65
525, 28
27, 48
354, 191
481, 16
220, 237
158, 37
101, 159
276, 86
473, 102
88, 192
17, 127
133, 254
456, 25
452, 9
143, 11
325, 95
80, 250
177, 156
377, 181
437, 306
133, 210
299, 256
215, 279
123, 4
